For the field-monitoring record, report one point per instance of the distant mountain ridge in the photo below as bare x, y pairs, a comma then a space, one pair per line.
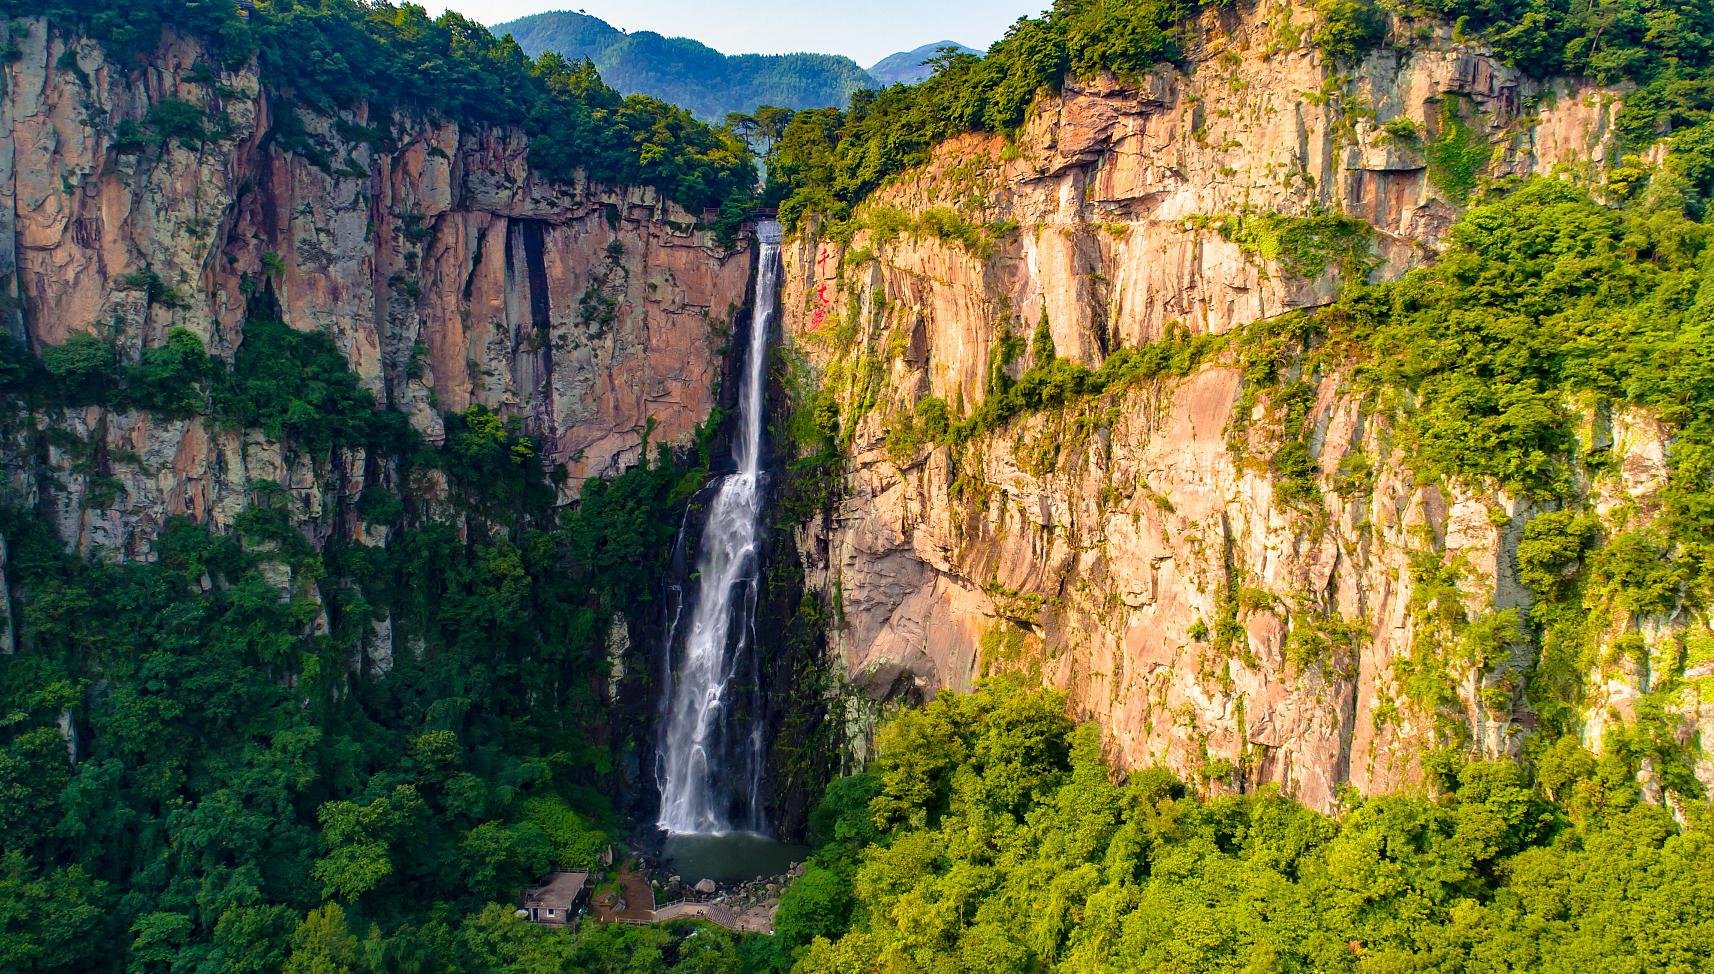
689, 73
910, 67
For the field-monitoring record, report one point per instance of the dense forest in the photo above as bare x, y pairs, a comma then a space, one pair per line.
690, 74
244, 794
243, 799
990, 835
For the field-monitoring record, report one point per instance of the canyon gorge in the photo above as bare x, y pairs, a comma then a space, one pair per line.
1083, 545
1306, 417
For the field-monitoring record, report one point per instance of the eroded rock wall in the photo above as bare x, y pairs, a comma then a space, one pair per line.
1135, 550
447, 273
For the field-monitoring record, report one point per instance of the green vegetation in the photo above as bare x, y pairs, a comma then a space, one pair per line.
249, 792
1543, 293
1052, 382
991, 836
82, 366
1501, 366
684, 72
1348, 29
1402, 129
296, 384
811, 435
289, 384
233, 775
1458, 155
1304, 245
948, 225
1663, 47
331, 55
829, 160
1548, 312
1626, 40
132, 28
168, 120
249, 795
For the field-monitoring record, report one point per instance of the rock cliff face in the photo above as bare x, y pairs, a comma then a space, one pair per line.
445, 271
1134, 550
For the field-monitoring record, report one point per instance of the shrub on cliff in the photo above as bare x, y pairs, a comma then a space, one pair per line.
1543, 293
173, 377
1348, 29
297, 385
84, 365
1499, 366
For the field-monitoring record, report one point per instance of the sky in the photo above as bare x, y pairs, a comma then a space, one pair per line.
864, 30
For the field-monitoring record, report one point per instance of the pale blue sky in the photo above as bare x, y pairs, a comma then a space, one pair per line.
864, 30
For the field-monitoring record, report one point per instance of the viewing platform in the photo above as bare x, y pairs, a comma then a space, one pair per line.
559, 902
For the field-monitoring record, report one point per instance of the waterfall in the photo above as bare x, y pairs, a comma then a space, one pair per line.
709, 770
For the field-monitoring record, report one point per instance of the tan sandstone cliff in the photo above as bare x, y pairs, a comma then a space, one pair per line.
1095, 547
446, 272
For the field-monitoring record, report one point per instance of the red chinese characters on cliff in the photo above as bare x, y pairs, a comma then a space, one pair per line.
818, 315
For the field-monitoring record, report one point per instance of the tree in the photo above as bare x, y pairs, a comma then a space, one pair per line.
34, 768
323, 944
360, 838
1083, 875
1349, 29
917, 754
52, 922
502, 943
157, 939
501, 859
172, 378
761, 130
252, 940
817, 904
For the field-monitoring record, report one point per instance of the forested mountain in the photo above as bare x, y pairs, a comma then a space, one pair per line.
910, 67
685, 72
303, 643
1238, 492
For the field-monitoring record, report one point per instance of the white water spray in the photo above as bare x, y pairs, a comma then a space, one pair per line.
710, 773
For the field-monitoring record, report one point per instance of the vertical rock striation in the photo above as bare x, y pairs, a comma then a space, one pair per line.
1134, 550
447, 273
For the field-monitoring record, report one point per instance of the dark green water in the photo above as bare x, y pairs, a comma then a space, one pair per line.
729, 858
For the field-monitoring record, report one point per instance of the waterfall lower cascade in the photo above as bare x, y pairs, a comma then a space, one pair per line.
710, 769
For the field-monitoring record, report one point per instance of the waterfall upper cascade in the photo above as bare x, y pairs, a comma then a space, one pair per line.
710, 767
